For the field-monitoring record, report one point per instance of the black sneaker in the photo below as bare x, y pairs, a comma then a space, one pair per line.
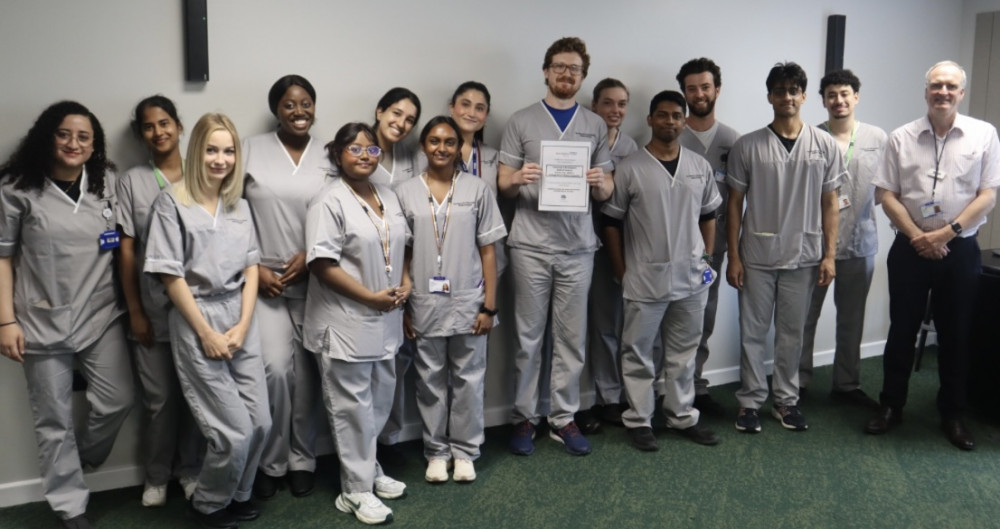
264, 486
244, 511
791, 417
587, 420
643, 439
748, 420
301, 482
612, 414
706, 405
220, 519
390, 455
699, 434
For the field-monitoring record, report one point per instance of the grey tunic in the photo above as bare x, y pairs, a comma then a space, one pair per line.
64, 293
717, 155
406, 164
474, 222
137, 189
279, 193
546, 231
782, 223
338, 228
856, 236
663, 243
624, 146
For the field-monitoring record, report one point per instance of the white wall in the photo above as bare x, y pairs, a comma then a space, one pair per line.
109, 54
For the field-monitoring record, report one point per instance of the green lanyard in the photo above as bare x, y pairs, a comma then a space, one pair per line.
160, 179
850, 146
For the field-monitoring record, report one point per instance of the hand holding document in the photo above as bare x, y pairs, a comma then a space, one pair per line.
564, 184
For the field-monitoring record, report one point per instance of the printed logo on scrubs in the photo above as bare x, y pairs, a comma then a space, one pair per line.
586, 135
464, 204
817, 152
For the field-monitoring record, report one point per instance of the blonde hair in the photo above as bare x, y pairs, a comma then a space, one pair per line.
194, 186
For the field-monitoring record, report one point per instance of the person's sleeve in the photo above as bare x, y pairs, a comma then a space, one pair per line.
511, 146
616, 206
888, 173
990, 175
165, 244
711, 199
835, 169
737, 170
489, 224
125, 206
324, 230
11, 213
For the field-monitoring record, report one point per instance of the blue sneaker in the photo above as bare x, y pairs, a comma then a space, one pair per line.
572, 439
520, 440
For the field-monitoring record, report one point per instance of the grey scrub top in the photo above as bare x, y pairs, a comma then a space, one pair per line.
209, 252
279, 192
663, 242
474, 222
717, 155
137, 189
406, 164
550, 231
623, 147
64, 292
783, 220
857, 236
337, 228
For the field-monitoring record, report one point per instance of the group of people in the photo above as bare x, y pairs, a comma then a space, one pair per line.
270, 279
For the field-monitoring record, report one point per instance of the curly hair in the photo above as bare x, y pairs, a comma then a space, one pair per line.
32, 162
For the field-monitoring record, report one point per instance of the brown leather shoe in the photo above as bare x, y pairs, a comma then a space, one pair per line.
887, 419
958, 434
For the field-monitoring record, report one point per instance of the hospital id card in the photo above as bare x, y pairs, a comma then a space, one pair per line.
931, 209
439, 285
844, 201
109, 240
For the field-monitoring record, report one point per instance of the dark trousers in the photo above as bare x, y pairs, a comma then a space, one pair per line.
952, 283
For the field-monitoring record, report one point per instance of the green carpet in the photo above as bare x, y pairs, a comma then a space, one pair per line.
831, 476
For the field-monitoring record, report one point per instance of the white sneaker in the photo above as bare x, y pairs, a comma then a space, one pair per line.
465, 471
437, 471
154, 495
365, 506
388, 488
188, 483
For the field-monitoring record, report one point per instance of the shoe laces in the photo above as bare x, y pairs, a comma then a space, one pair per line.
748, 412
570, 430
524, 428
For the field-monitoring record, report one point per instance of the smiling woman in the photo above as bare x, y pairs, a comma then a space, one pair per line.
285, 169
57, 309
397, 112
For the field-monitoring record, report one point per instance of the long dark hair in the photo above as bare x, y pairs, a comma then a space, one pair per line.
32, 161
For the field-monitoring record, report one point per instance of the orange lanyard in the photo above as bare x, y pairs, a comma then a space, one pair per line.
383, 232
439, 236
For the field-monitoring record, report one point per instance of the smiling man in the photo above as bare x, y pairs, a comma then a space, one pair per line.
667, 198
701, 81
552, 253
862, 146
937, 185
788, 173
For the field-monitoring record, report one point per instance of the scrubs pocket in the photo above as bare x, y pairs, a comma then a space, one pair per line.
761, 249
865, 240
649, 281
48, 327
812, 248
360, 337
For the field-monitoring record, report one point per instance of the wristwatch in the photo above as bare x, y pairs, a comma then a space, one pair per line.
957, 228
484, 310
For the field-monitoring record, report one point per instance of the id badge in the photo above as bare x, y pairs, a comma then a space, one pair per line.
930, 209
109, 240
439, 285
708, 276
845, 201
720, 175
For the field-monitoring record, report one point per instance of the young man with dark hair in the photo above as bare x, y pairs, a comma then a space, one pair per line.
667, 198
701, 82
788, 173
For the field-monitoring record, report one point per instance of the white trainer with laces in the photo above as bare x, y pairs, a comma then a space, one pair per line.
388, 488
465, 471
366, 507
437, 471
188, 483
154, 495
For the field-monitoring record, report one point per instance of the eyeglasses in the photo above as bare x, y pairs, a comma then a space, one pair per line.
559, 67
65, 137
793, 91
356, 149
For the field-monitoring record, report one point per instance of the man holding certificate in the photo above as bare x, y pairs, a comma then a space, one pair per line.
553, 158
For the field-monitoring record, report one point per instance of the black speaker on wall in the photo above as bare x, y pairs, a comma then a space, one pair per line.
196, 40
835, 27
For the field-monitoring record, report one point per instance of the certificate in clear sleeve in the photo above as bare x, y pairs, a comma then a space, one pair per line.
563, 186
